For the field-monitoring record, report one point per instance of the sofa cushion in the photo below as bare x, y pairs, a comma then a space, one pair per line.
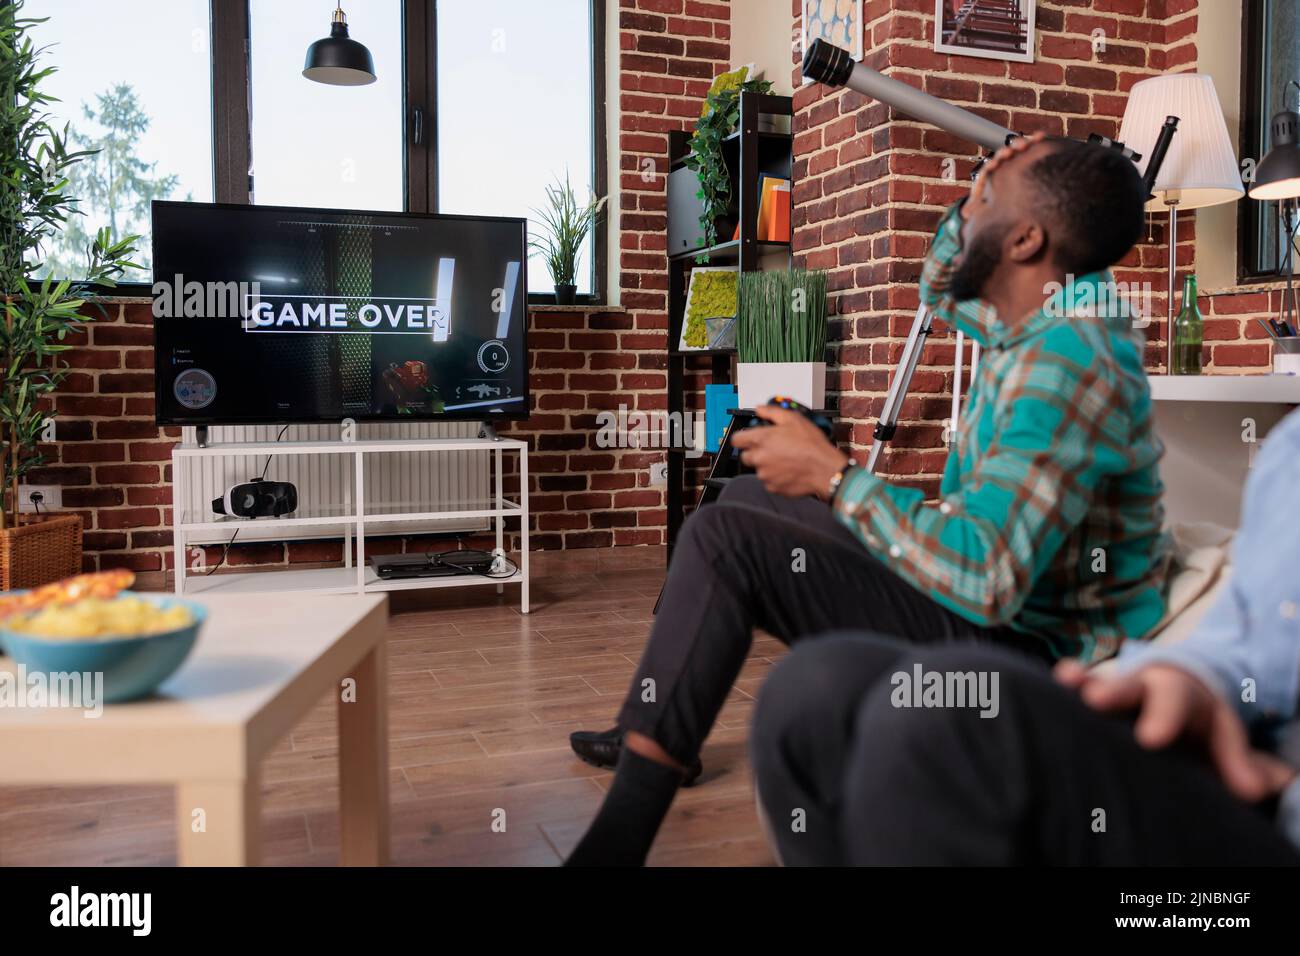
1199, 574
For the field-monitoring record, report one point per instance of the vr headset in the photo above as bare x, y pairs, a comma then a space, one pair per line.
258, 498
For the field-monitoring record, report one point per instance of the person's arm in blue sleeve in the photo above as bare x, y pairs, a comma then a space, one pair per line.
1247, 647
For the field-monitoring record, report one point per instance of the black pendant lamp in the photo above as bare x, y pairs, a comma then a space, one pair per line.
338, 59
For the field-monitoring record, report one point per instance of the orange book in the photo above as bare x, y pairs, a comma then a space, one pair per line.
773, 211
765, 205
780, 220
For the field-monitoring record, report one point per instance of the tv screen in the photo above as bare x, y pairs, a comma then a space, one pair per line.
266, 314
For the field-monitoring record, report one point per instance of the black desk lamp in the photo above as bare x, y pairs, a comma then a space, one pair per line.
1277, 177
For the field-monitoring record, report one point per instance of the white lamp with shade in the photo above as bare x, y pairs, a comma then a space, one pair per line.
1200, 168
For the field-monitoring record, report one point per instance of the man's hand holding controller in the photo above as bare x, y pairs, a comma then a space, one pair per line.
790, 456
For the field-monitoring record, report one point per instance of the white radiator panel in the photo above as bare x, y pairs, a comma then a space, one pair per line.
413, 482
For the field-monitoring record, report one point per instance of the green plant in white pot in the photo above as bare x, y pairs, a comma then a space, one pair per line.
781, 337
564, 226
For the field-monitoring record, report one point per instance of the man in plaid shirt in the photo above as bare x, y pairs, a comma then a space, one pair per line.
1047, 535
1049, 519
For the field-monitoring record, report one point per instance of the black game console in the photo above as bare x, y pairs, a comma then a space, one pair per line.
396, 567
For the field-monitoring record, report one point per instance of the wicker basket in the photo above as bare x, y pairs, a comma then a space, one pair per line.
42, 549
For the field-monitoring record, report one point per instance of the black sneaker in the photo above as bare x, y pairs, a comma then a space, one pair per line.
601, 748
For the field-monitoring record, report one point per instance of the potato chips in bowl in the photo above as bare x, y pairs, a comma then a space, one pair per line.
135, 641
100, 619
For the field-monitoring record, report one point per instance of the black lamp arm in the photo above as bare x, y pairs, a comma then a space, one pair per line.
1158, 153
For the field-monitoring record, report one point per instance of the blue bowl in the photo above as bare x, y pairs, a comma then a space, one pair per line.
133, 667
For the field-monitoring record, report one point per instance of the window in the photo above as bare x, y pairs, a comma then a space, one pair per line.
515, 92
136, 84
318, 145
478, 106
1271, 61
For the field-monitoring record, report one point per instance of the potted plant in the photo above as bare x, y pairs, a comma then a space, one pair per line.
564, 226
719, 119
36, 315
781, 337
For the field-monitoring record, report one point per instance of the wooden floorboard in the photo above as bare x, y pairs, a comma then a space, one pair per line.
482, 700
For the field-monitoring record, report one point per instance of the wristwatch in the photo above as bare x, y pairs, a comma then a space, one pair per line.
837, 479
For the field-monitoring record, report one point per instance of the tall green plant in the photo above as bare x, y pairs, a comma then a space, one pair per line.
34, 206
564, 227
719, 120
781, 316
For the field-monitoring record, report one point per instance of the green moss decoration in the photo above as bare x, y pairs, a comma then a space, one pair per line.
713, 296
725, 83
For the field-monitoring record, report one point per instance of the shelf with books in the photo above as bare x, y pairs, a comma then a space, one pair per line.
687, 353
727, 252
752, 154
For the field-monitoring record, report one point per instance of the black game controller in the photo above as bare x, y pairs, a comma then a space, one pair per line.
781, 401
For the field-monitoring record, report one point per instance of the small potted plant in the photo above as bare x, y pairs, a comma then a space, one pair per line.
718, 119
564, 226
36, 316
781, 337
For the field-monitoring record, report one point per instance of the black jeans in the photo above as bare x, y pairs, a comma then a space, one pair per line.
787, 566
846, 777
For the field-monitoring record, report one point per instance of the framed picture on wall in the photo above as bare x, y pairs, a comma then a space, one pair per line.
835, 21
995, 29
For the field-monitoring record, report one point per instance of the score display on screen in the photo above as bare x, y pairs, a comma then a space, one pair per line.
268, 314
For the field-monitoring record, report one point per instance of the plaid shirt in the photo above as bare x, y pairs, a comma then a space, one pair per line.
1049, 519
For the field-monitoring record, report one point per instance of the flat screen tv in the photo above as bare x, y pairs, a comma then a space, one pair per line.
268, 314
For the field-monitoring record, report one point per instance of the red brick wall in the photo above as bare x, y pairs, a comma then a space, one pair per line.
870, 188
114, 464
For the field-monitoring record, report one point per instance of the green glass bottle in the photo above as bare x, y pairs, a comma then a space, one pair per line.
1189, 333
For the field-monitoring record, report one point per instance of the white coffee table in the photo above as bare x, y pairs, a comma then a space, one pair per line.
260, 664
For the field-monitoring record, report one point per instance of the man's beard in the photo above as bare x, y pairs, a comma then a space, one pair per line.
978, 261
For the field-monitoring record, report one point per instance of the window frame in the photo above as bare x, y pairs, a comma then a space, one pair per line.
421, 18
1251, 215
229, 26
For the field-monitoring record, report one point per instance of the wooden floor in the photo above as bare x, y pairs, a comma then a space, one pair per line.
482, 702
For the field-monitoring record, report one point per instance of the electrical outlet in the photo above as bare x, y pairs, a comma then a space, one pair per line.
51, 497
659, 473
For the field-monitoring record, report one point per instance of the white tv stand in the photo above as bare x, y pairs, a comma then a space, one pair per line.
350, 517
